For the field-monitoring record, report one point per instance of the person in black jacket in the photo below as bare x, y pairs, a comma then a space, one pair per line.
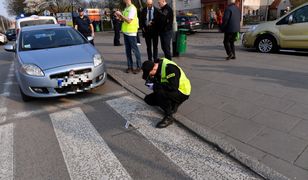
170, 87
117, 28
231, 26
84, 25
165, 25
148, 24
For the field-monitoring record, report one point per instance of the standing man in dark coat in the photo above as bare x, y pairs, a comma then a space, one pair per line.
116, 28
231, 26
148, 23
84, 25
165, 25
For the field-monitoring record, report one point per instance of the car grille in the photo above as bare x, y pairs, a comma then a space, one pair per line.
74, 88
66, 74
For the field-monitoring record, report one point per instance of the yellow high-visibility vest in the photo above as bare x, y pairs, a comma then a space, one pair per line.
184, 84
133, 26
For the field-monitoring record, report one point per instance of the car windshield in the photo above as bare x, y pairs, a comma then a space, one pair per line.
10, 31
36, 22
50, 38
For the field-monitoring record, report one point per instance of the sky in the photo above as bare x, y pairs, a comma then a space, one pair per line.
2, 9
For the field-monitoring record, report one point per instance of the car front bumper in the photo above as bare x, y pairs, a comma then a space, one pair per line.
61, 81
248, 40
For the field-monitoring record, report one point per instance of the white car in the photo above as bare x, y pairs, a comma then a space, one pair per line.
34, 20
3, 39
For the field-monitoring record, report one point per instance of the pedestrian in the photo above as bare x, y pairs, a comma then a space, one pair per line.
165, 24
148, 22
130, 27
84, 25
116, 28
170, 87
231, 26
219, 18
212, 16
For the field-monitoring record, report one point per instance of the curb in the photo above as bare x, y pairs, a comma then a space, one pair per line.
214, 138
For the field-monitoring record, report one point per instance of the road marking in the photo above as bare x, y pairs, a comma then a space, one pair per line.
6, 152
197, 159
69, 103
86, 154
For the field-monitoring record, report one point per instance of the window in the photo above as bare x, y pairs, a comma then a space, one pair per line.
301, 15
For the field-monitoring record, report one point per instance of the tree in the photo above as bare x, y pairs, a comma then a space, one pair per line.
296, 3
15, 7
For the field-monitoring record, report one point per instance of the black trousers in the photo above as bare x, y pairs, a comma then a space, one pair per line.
116, 38
151, 39
165, 40
168, 101
229, 40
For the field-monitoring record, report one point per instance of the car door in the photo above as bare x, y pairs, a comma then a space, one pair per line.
294, 34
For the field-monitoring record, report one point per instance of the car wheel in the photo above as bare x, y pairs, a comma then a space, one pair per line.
24, 97
266, 44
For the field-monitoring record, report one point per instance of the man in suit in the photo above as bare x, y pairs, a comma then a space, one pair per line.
148, 23
231, 26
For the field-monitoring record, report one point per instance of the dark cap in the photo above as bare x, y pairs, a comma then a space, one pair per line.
80, 9
147, 66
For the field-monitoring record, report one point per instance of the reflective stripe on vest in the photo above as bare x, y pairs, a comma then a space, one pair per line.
184, 84
133, 26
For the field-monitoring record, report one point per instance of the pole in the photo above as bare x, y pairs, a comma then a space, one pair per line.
3, 27
175, 25
266, 13
242, 12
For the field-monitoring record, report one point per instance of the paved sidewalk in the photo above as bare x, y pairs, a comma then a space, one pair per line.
254, 108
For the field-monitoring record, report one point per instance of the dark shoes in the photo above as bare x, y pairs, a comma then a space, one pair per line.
230, 57
117, 44
129, 70
168, 120
137, 70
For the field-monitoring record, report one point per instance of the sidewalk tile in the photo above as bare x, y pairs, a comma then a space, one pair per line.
299, 110
242, 109
240, 129
239, 94
298, 96
280, 144
285, 168
189, 106
302, 161
208, 116
274, 103
276, 120
246, 148
301, 130
212, 100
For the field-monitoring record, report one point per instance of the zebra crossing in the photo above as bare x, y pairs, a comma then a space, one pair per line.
88, 156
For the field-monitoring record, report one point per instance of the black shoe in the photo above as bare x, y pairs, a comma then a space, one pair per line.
168, 120
117, 44
137, 70
129, 70
233, 57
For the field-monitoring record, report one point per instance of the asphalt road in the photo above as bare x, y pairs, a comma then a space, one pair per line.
84, 136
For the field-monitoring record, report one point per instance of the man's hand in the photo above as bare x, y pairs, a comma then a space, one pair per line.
118, 13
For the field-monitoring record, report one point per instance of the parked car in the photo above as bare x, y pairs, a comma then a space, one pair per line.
3, 38
54, 60
11, 34
34, 20
287, 32
190, 23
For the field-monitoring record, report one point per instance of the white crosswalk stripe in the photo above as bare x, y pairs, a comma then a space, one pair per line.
86, 154
198, 160
3, 112
6, 152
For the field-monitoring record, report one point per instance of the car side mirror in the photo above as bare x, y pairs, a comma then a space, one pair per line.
9, 48
290, 20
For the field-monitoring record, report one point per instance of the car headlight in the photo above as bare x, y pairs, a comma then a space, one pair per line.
32, 70
97, 59
252, 28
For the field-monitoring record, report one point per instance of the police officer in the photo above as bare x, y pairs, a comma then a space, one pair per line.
170, 87
84, 25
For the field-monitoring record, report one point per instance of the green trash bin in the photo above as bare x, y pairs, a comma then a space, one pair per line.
97, 28
181, 41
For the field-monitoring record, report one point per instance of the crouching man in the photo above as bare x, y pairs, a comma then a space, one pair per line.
170, 87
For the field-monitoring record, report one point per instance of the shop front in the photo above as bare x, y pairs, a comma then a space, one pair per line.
216, 5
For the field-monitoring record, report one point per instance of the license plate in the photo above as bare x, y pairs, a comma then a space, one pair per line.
73, 80
197, 24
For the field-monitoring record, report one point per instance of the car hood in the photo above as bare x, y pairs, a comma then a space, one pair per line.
57, 57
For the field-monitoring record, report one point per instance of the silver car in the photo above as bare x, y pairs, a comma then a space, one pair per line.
54, 60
